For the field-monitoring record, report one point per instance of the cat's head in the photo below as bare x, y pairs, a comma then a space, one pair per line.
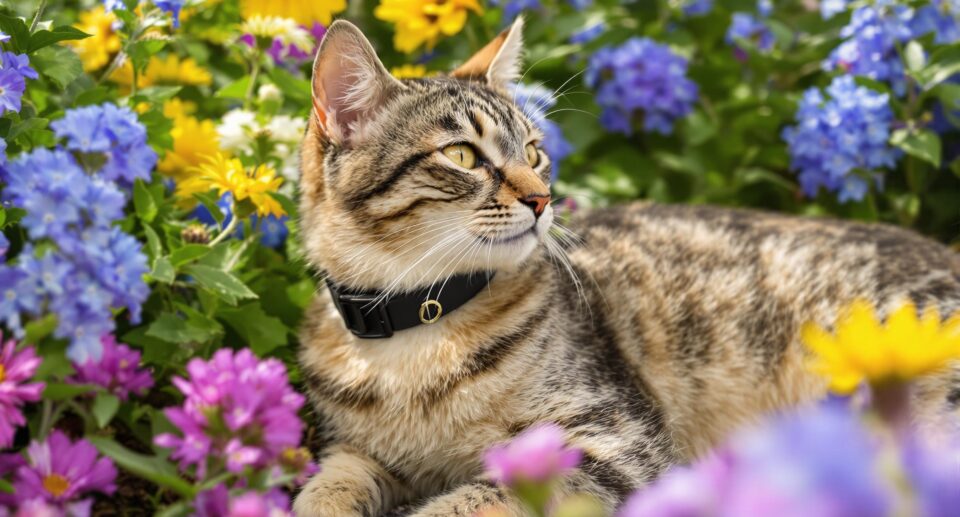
407, 182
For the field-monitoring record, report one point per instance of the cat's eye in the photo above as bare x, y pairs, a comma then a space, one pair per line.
462, 155
533, 155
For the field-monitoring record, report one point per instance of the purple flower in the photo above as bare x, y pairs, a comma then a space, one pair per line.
935, 477
535, 100
217, 502
16, 367
588, 34
4, 37
747, 27
60, 471
12, 86
114, 132
536, 455
18, 62
870, 48
693, 8
940, 18
173, 7
836, 137
641, 79
238, 409
117, 370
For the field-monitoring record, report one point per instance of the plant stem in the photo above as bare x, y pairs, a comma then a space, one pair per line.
36, 17
229, 229
254, 75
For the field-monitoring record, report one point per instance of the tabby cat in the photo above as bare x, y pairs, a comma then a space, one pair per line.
681, 325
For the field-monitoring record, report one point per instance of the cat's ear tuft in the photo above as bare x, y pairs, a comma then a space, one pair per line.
350, 83
499, 62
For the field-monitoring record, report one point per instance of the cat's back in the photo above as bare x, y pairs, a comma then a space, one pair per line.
707, 303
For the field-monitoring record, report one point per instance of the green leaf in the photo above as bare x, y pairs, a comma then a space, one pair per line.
172, 328
94, 95
261, 332
914, 56
234, 90
58, 63
223, 284
39, 329
151, 468
17, 30
154, 247
143, 202
163, 271
188, 253
105, 406
920, 143
64, 391
5, 486
287, 204
55, 363
292, 87
44, 38
141, 51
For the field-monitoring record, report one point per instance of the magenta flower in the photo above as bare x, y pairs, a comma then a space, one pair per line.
41, 508
538, 454
15, 368
61, 472
117, 370
217, 502
238, 409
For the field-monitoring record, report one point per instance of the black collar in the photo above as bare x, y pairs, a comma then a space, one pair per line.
368, 314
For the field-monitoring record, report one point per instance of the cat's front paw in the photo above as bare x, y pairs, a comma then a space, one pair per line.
333, 498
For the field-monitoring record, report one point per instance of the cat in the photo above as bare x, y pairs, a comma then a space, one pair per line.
647, 338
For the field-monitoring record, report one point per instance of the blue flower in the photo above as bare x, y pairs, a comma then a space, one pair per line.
173, 7
697, 7
12, 86
273, 229
113, 131
641, 79
745, 26
4, 37
3, 152
939, 18
43, 183
4, 245
838, 139
870, 48
511, 8
535, 100
765, 8
831, 8
20, 63
588, 34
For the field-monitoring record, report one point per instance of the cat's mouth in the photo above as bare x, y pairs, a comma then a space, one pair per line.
511, 239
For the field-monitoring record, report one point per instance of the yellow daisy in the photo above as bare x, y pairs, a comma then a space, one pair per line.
95, 51
194, 141
285, 29
303, 12
229, 175
421, 22
409, 71
906, 346
170, 70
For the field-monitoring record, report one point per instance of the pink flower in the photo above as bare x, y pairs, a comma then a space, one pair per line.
117, 370
538, 454
238, 409
60, 471
217, 502
15, 368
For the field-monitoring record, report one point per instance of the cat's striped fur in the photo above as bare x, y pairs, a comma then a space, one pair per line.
685, 325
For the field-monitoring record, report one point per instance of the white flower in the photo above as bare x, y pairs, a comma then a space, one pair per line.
237, 130
285, 29
284, 128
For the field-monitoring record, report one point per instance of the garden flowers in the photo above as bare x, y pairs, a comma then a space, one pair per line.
304, 13
537, 455
103, 42
906, 346
230, 176
118, 370
16, 367
421, 22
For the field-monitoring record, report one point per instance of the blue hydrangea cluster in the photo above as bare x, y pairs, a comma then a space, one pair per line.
641, 80
112, 135
15, 69
870, 46
535, 101
693, 8
939, 18
840, 142
78, 264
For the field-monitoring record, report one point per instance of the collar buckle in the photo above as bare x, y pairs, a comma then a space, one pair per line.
362, 316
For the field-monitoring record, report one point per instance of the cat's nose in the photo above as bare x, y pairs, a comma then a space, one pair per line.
536, 202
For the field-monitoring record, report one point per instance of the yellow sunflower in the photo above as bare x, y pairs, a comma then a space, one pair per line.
421, 22
409, 71
170, 70
194, 141
229, 175
303, 12
103, 42
906, 346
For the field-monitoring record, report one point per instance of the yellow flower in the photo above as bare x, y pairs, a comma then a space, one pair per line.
304, 12
904, 347
96, 50
285, 29
410, 71
421, 22
170, 70
229, 175
194, 141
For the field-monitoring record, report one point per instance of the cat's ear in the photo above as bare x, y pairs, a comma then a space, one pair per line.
498, 63
349, 83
